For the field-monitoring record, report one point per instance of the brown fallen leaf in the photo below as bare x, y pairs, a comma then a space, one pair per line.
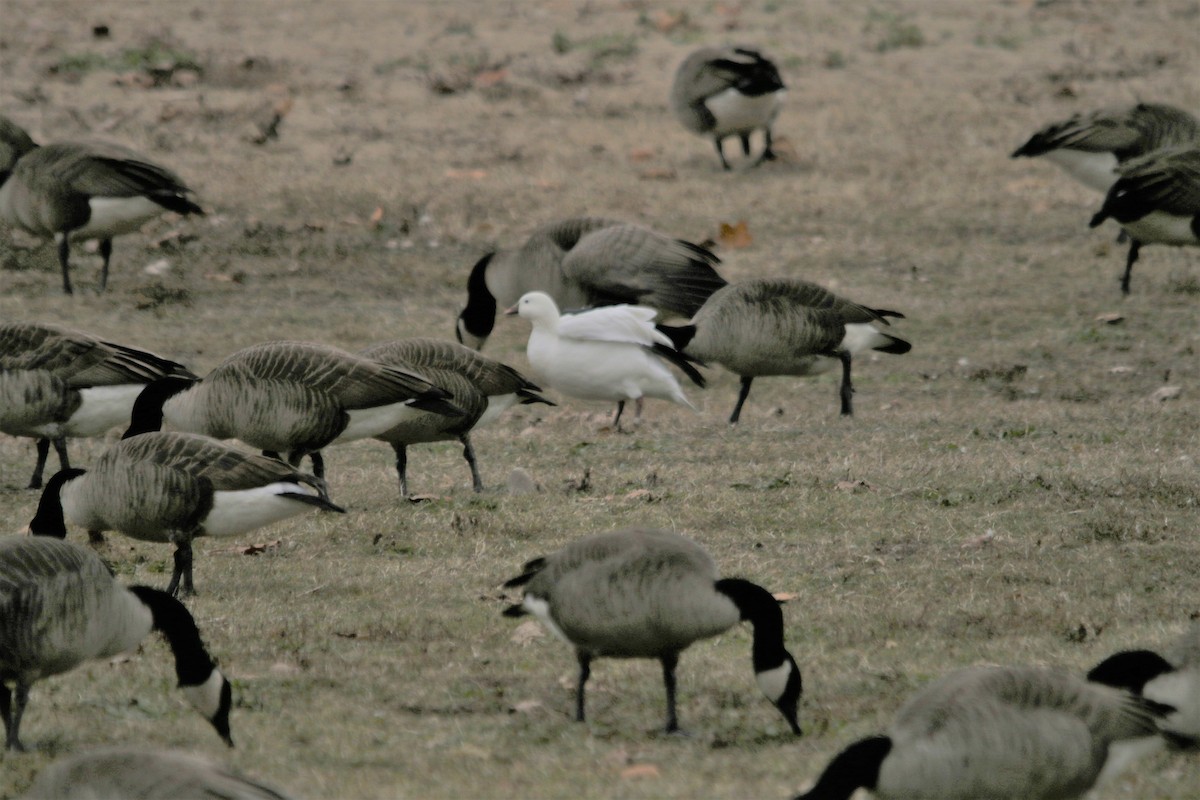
466, 174
526, 632
640, 771
666, 21
255, 549
855, 486
640, 494
657, 174
1110, 318
736, 235
489, 78
783, 597
642, 154
376, 217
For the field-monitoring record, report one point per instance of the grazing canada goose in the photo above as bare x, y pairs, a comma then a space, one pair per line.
587, 261
612, 353
82, 190
173, 487
1156, 201
643, 593
137, 773
781, 326
481, 387
1171, 678
997, 732
60, 606
291, 397
56, 382
1089, 146
728, 91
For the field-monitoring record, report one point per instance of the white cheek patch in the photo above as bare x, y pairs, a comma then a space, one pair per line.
773, 682
541, 609
206, 698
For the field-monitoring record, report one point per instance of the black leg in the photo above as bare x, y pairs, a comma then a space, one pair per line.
13, 718
95, 538
637, 408
60, 447
402, 468
183, 571
318, 463
743, 393
768, 154
847, 387
6, 713
720, 153
43, 452
585, 670
669, 661
106, 254
64, 255
469, 455
745, 137
1134, 247
617, 419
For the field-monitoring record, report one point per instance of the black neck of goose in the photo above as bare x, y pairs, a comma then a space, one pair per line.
147, 413
48, 520
479, 317
193, 665
760, 608
855, 767
1130, 670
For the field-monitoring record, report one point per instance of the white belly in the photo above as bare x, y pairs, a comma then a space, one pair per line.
237, 512
1159, 227
366, 423
1097, 170
736, 113
113, 216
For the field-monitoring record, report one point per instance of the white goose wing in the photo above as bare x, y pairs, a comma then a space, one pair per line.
624, 323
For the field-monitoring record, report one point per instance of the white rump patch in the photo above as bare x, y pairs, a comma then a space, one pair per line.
1159, 227
773, 682
497, 404
112, 216
862, 336
736, 112
237, 512
1097, 170
103, 407
541, 609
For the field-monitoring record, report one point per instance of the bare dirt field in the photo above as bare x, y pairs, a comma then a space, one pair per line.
1014, 490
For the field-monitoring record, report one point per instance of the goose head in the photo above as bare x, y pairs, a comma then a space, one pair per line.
537, 307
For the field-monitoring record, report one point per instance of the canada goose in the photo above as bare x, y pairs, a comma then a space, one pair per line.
290, 397
728, 91
643, 593
611, 353
82, 190
138, 773
1090, 146
56, 382
782, 326
587, 261
481, 387
1156, 200
997, 732
60, 606
1171, 678
173, 487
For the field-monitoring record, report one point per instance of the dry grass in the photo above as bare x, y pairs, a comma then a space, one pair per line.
1028, 501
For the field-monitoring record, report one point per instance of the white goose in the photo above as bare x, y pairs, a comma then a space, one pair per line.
612, 353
